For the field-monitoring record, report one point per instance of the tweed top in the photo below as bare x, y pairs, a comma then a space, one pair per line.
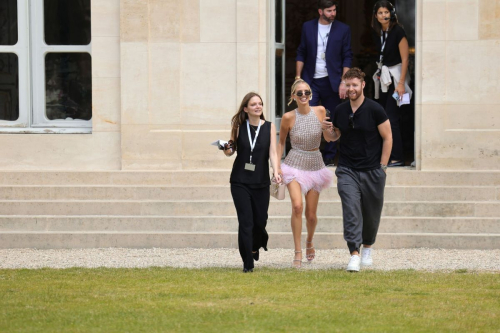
306, 132
305, 136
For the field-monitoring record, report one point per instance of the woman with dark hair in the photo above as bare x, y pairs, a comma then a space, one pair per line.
254, 140
391, 79
304, 171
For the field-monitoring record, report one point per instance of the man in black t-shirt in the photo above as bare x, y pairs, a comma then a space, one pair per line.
365, 145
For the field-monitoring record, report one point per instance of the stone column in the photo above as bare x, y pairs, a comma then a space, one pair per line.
459, 99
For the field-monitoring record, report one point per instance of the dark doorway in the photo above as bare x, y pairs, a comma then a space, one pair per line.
357, 14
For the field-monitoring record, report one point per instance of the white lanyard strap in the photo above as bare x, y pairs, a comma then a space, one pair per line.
252, 144
326, 37
383, 40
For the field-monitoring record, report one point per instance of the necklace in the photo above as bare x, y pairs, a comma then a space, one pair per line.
255, 126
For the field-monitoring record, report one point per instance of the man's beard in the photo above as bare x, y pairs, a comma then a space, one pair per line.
358, 95
328, 19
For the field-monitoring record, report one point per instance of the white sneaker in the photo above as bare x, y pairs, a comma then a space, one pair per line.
354, 264
366, 257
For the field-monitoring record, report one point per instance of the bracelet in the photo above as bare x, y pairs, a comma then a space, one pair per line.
297, 77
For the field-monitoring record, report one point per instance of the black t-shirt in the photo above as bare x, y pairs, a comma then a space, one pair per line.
260, 157
360, 147
391, 51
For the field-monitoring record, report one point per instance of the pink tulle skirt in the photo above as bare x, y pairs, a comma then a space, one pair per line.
308, 180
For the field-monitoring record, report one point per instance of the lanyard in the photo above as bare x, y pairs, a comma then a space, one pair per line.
383, 40
326, 36
252, 144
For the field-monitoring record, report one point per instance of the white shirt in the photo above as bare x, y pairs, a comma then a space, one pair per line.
323, 32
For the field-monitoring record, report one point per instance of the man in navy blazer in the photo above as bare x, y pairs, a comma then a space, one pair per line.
323, 56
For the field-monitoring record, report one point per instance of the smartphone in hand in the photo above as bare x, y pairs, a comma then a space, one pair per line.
328, 114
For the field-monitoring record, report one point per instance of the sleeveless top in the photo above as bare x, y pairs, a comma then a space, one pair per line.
260, 157
305, 136
306, 132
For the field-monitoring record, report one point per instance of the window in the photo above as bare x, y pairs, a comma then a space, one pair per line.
45, 66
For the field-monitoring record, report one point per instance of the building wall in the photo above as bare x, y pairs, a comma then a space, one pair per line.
185, 67
458, 111
168, 75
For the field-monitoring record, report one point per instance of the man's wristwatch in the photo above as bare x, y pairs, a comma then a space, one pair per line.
383, 166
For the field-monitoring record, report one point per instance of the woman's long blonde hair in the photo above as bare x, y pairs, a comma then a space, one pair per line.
294, 88
241, 116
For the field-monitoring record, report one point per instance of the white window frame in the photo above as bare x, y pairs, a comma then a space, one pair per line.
272, 65
40, 50
31, 50
21, 49
273, 46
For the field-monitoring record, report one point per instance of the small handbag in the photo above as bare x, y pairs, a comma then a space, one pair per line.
277, 189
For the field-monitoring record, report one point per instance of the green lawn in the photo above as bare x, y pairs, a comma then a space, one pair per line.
226, 300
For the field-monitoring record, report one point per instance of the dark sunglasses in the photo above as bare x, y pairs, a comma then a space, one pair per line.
351, 121
300, 93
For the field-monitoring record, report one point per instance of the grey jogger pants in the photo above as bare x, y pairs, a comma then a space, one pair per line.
362, 196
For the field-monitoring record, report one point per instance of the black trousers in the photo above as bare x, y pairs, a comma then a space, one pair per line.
251, 207
394, 113
362, 196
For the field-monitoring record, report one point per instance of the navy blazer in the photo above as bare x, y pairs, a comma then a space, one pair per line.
338, 51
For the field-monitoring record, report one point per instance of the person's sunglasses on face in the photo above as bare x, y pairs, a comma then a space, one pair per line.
303, 92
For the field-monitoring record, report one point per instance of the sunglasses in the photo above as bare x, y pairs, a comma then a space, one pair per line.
351, 121
303, 92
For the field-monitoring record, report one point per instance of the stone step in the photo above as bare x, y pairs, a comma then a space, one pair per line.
396, 176
55, 240
222, 192
226, 208
202, 224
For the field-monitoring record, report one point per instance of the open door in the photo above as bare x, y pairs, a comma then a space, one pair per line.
278, 63
289, 15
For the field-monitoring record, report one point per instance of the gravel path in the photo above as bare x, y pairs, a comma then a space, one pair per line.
418, 259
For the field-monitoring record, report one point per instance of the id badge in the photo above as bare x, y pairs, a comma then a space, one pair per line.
249, 166
323, 55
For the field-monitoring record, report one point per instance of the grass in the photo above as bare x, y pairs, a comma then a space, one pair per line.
268, 300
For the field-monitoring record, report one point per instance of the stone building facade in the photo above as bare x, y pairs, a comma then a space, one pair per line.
167, 76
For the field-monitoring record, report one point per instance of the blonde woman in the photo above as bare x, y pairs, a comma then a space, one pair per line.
303, 169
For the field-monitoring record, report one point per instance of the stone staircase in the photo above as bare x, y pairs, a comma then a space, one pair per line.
194, 209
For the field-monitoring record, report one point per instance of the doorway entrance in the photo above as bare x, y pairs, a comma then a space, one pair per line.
289, 17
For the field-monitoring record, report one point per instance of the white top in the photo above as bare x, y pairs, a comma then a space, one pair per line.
323, 32
387, 75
